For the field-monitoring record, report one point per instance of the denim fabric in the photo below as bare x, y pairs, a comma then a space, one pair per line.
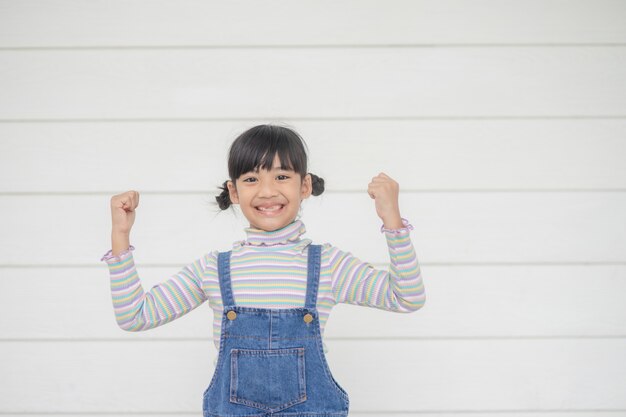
271, 361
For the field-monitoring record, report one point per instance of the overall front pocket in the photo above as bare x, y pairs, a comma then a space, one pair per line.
268, 379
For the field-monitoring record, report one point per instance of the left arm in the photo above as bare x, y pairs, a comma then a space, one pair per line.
400, 288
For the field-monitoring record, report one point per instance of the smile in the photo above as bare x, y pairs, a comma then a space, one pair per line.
271, 209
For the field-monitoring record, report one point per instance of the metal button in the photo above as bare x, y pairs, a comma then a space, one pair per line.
308, 318
231, 315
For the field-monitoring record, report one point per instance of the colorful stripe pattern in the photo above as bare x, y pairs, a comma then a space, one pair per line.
268, 269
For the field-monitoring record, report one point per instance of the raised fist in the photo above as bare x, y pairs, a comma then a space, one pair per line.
123, 211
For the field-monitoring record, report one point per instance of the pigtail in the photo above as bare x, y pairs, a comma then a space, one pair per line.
317, 183
223, 200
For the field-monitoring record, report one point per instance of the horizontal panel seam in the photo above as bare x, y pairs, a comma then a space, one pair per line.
323, 46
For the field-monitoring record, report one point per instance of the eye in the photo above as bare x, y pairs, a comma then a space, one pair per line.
249, 179
282, 177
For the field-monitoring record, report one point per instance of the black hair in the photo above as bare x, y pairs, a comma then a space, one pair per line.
256, 149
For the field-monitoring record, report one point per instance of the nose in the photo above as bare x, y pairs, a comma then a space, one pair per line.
267, 189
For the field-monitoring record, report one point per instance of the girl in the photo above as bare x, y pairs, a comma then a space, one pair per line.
271, 294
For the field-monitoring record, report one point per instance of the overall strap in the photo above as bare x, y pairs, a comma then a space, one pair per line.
313, 275
223, 270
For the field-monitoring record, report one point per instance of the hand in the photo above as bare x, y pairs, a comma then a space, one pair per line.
123, 211
384, 190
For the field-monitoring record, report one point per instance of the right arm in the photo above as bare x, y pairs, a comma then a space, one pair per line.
119, 242
135, 309
138, 310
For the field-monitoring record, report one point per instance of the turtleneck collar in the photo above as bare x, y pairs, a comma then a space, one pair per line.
288, 234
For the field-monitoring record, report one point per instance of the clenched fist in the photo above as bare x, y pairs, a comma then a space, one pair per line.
384, 190
123, 211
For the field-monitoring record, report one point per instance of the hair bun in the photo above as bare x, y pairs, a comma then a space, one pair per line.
223, 200
317, 184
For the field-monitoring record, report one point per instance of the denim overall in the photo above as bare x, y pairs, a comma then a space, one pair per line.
271, 361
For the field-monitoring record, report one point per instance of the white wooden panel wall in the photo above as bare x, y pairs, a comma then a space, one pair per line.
503, 121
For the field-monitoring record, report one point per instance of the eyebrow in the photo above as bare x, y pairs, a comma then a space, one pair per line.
280, 168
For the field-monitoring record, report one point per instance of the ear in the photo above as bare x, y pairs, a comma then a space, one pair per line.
307, 187
232, 191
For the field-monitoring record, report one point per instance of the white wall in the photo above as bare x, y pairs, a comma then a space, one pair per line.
503, 121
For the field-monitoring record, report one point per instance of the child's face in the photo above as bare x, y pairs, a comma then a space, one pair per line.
270, 200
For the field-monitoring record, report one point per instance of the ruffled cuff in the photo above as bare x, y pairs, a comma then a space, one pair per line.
407, 226
109, 255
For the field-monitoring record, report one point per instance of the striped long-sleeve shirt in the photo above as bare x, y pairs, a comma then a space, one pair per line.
269, 269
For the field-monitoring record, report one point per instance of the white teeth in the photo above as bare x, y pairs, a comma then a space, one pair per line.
273, 208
